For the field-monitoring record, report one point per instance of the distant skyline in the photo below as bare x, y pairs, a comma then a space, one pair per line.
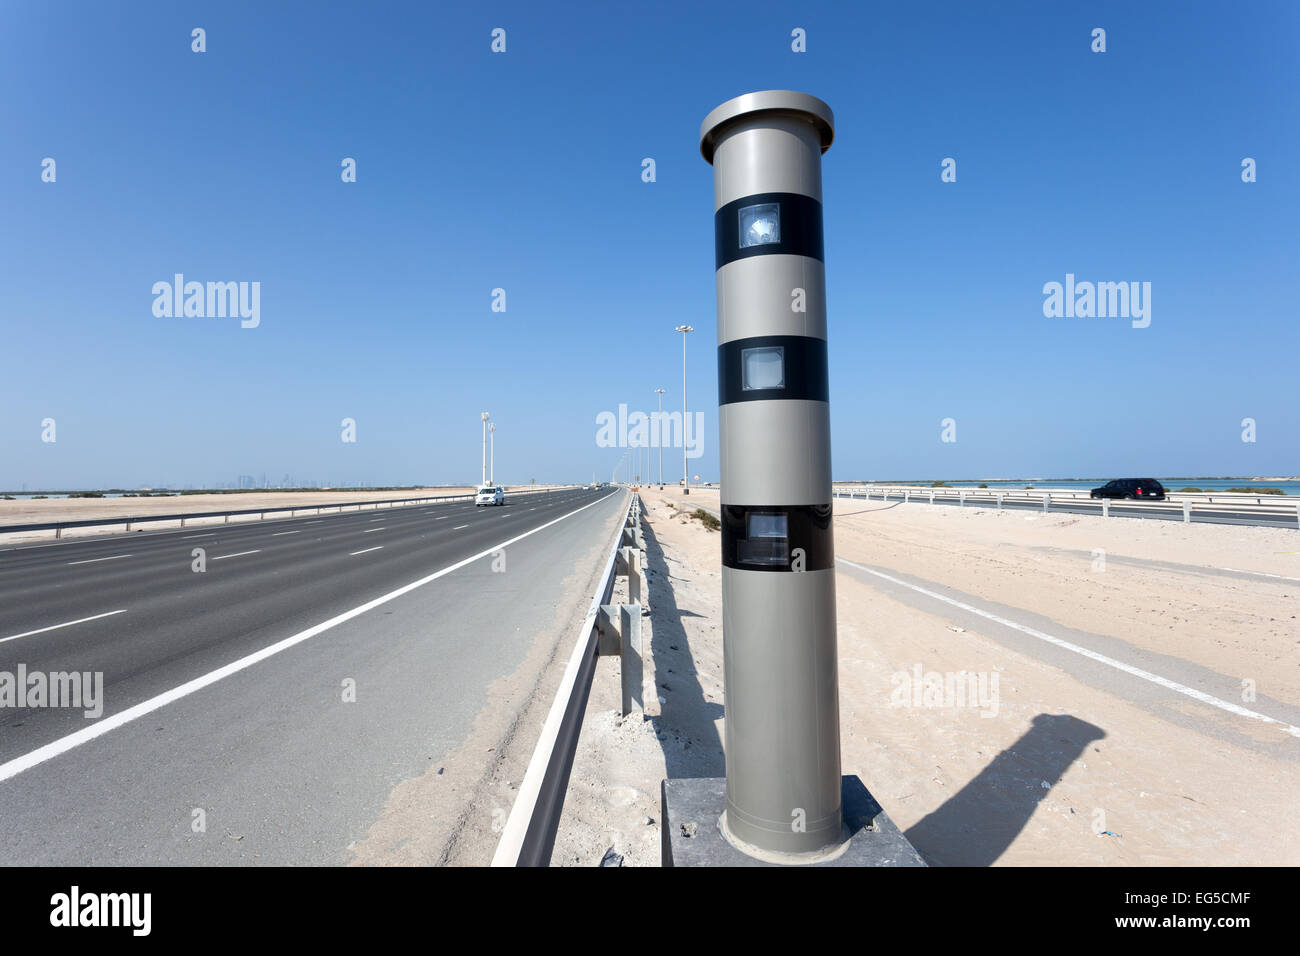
515, 181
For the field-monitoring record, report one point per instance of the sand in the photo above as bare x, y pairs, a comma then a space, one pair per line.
1066, 771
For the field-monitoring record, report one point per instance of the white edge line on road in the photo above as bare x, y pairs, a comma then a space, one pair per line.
372, 530
112, 557
277, 534
459, 526
238, 554
210, 534
1090, 654
1281, 577
521, 813
61, 746
378, 547
55, 627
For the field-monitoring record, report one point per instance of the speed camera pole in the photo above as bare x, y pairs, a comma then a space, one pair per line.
778, 574
783, 799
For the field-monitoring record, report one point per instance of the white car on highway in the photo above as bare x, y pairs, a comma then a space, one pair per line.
490, 496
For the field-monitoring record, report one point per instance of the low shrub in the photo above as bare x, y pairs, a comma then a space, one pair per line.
706, 519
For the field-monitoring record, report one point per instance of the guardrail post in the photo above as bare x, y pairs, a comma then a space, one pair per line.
1105, 507
618, 631
906, 495
58, 531
128, 526
1047, 502
999, 502
1187, 512
932, 497
961, 497
182, 522
1297, 515
629, 563
630, 669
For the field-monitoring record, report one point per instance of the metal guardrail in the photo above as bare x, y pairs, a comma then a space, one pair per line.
1278, 502
58, 526
1272, 506
529, 833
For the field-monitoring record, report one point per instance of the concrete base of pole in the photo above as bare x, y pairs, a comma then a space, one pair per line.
692, 837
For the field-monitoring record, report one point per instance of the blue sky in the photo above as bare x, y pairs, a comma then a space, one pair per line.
522, 171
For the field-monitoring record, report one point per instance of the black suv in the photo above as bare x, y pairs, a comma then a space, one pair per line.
1145, 489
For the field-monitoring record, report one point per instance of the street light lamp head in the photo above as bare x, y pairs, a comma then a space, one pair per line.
684, 328
485, 416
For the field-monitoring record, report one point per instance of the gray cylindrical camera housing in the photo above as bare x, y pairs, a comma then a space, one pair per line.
778, 560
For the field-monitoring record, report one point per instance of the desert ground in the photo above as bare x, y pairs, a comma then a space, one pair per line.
1139, 687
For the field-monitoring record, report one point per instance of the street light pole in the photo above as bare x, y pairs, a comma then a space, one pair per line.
686, 484
659, 425
485, 416
492, 453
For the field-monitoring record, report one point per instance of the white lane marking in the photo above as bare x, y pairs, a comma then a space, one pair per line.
366, 551
239, 554
55, 627
277, 534
210, 534
112, 557
459, 526
373, 520
1090, 654
1281, 577
372, 530
61, 746
317, 521
443, 518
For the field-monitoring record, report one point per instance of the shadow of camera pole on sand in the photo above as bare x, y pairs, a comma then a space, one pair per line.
975, 826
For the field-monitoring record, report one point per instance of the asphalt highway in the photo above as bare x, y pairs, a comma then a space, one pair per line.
225, 651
